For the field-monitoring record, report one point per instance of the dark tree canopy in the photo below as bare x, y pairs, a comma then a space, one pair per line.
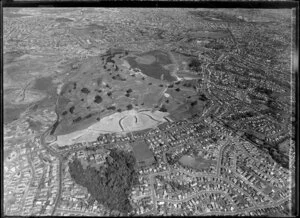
195, 65
111, 185
72, 109
263, 90
98, 99
111, 108
202, 97
77, 120
193, 103
85, 90
163, 109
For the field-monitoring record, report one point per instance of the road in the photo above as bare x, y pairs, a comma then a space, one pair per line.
228, 181
217, 191
204, 175
234, 162
227, 213
151, 179
245, 210
30, 182
221, 178
253, 186
60, 159
59, 187
221, 155
255, 167
192, 196
83, 213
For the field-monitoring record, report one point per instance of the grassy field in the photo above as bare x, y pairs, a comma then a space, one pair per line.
11, 113
197, 163
146, 59
27, 79
153, 64
101, 86
154, 70
141, 151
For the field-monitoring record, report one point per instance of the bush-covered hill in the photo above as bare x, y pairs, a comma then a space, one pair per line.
111, 185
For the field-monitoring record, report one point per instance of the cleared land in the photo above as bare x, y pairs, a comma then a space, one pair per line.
147, 59
23, 96
126, 121
197, 163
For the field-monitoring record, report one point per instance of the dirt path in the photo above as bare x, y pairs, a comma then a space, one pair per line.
175, 62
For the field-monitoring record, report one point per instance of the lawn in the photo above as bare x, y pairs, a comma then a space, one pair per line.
141, 151
197, 163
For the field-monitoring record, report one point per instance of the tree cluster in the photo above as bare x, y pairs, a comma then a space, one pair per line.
195, 65
110, 185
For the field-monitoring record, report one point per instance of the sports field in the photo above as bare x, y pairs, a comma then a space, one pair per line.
142, 152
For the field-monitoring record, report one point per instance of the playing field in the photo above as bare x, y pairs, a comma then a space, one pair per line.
142, 152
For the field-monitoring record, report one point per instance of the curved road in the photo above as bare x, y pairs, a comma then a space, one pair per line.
57, 155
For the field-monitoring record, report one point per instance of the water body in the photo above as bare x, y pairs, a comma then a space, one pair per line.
154, 70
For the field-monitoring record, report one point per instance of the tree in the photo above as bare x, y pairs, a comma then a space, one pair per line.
110, 185
195, 65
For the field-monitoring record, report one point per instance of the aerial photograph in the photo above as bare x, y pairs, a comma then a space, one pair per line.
148, 112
